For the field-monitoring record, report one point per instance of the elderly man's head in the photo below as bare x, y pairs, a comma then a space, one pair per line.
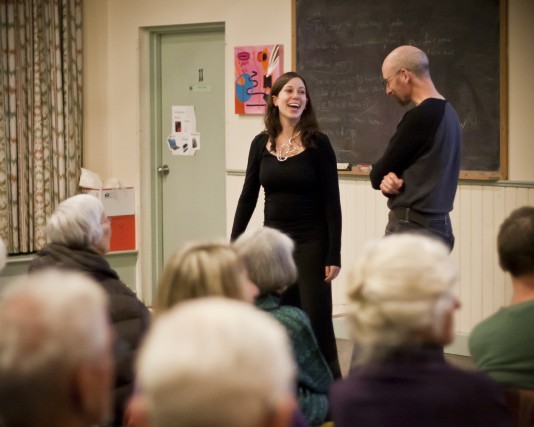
216, 362
56, 364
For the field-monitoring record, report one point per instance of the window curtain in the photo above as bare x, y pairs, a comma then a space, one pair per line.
40, 115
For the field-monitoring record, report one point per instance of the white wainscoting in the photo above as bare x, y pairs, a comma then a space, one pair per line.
479, 209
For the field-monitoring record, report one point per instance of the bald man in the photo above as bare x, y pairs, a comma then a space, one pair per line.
419, 170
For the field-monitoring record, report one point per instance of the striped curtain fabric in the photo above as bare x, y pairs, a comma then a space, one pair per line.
40, 115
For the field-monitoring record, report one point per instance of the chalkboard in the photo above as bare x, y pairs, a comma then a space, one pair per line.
340, 46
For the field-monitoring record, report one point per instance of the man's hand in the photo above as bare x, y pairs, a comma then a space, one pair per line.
391, 184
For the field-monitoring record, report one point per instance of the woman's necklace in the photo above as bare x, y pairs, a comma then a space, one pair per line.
287, 150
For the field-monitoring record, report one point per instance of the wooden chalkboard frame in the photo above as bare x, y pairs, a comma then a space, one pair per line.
502, 172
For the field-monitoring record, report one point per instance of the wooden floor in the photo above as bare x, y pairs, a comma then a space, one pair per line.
344, 349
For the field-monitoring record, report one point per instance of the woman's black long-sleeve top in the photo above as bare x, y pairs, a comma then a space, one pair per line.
301, 194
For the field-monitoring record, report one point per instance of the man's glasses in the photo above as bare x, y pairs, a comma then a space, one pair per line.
385, 82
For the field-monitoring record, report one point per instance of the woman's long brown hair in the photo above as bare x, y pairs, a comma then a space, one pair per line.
307, 124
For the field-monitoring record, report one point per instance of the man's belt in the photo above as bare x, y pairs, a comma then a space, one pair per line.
410, 215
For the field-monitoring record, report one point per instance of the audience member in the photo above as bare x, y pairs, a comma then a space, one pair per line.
216, 362
79, 234
201, 270
400, 313
56, 364
197, 270
503, 344
268, 256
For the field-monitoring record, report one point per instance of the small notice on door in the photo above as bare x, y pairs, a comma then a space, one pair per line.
184, 140
200, 88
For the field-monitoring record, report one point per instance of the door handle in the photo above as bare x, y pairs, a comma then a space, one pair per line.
163, 170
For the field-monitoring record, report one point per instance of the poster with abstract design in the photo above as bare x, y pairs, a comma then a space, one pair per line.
256, 69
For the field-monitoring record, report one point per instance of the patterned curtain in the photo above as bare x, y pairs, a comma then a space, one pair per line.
40, 115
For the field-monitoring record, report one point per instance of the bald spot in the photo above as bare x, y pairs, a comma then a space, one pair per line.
406, 57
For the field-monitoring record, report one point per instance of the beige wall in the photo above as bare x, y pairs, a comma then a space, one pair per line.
521, 69
95, 81
112, 94
111, 33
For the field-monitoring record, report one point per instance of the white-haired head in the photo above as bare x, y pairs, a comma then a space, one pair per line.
52, 323
399, 294
268, 255
215, 362
77, 222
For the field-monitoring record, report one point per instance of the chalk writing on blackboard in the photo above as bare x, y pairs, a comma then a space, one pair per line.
340, 47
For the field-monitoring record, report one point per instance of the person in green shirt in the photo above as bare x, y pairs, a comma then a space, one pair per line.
503, 344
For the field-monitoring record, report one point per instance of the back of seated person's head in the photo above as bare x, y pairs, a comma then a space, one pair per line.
216, 362
515, 242
399, 295
55, 351
76, 222
200, 270
268, 256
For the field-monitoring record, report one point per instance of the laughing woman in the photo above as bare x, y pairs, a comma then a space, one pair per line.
296, 166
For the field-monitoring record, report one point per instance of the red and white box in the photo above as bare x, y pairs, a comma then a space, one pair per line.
119, 205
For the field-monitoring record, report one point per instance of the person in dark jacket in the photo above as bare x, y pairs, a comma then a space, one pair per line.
78, 234
400, 314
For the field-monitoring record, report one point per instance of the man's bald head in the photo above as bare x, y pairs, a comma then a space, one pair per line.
408, 57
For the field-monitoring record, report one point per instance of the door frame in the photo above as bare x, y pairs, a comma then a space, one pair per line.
151, 204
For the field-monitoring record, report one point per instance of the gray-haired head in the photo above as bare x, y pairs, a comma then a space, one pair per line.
53, 323
268, 256
399, 294
215, 362
76, 222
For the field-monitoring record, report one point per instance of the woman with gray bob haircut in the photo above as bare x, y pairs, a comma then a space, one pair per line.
400, 314
268, 256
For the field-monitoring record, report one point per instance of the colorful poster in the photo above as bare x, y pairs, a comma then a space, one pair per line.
256, 69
